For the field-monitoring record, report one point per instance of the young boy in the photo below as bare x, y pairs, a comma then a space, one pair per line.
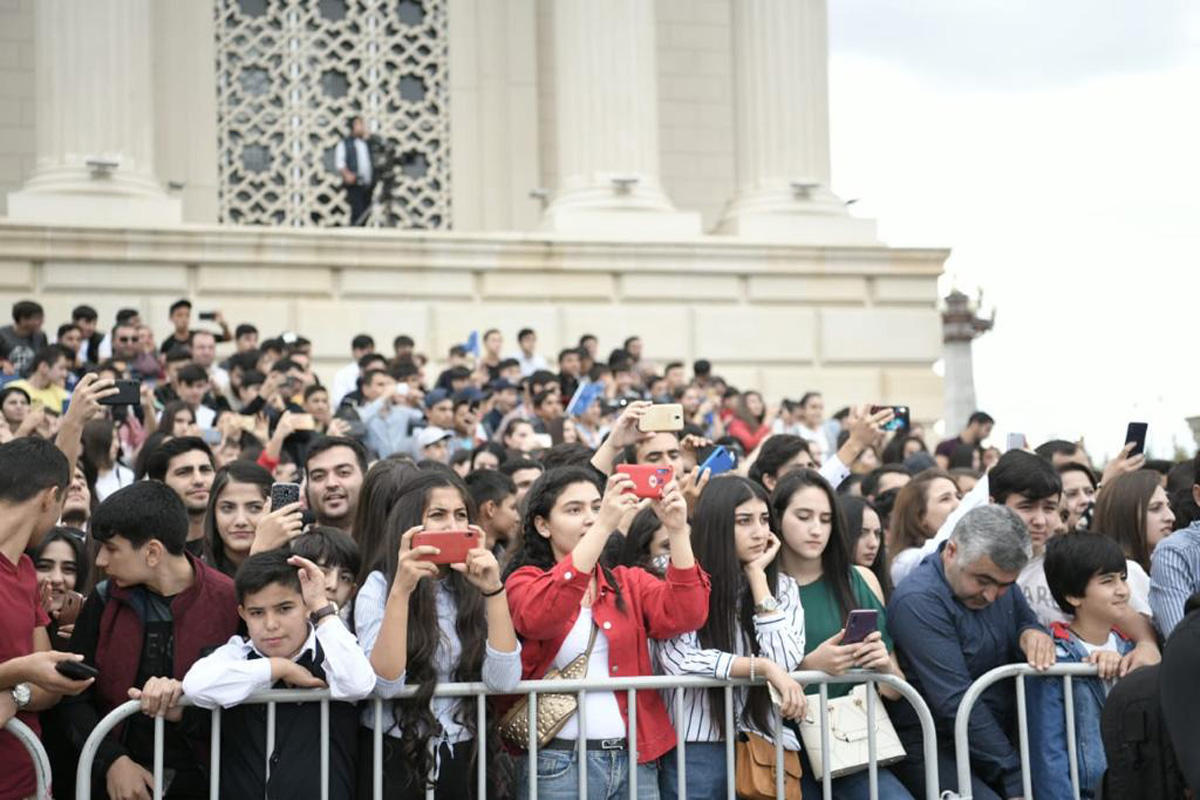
296, 639
1086, 575
339, 559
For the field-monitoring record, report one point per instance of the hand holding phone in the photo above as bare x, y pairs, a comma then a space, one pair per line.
861, 623
1136, 433
452, 546
649, 480
662, 417
129, 393
76, 670
901, 417
283, 494
719, 460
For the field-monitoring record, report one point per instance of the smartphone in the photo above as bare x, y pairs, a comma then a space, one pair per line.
542, 441
861, 623
401, 389
129, 393
900, 417
303, 422
1136, 432
453, 545
718, 461
662, 417
72, 605
211, 436
1015, 441
208, 316
283, 494
649, 480
76, 670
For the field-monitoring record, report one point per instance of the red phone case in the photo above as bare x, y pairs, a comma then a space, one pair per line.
648, 479
452, 544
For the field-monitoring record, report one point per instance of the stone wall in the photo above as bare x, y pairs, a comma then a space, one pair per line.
858, 323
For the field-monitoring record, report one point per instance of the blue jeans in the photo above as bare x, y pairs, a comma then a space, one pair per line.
855, 786
705, 766
607, 773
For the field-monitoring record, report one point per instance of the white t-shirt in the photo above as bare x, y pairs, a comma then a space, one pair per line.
817, 443
604, 719
1113, 645
119, 476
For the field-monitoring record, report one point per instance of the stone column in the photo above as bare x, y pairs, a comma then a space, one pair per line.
606, 106
95, 118
961, 325
781, 110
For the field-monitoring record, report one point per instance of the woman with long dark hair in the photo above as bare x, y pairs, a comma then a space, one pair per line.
100, 450
177, 419
421, 625
749, 423
1133, 509
562, 597
755, 627
237, 502
865, 538
815, 554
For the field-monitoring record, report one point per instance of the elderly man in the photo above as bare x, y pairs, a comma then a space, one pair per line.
953, 619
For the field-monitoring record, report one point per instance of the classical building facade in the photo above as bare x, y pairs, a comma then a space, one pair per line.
658, 167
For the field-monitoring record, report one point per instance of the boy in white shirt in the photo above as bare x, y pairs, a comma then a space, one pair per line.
296, 640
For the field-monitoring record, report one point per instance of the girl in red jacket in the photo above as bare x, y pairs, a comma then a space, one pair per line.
557, 591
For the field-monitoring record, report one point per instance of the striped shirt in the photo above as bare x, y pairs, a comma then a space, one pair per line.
780, 638
1174, 576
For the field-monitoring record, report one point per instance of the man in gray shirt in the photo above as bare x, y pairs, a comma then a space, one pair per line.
21, 340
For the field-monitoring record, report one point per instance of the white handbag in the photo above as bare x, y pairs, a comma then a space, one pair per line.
848, 734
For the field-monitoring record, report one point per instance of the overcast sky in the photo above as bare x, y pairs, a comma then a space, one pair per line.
1053, 147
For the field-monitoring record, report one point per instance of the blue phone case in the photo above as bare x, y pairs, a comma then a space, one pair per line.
718, 461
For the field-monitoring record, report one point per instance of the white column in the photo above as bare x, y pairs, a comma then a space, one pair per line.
781, 99
94, 104
606, 106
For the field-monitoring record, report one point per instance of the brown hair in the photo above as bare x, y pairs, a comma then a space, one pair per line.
1121, 512
743, 413
906, 529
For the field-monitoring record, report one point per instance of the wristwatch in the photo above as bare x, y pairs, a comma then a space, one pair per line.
22, 693
320, 614
768, 605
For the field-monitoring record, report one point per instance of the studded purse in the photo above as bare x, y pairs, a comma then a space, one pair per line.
554, 710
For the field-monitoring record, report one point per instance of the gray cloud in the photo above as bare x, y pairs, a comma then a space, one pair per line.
1013, 44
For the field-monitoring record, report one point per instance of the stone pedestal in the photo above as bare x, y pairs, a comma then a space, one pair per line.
961, 325
607, 123
781, 97
95, 118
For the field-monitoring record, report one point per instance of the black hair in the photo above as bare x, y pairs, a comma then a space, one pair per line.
371, 358
126, 314
489, 485
182, 303
30, 465
567, 351
233, 472
322, 443
159, 461
853, 509
512, 465
1048, 450
980, 418
870, 484
179, 353
403, 370
567, 455
731, 606
26, 309
702, 367
64, 328
893, 453
1018, 472
85, 313
381, 488
166, 417
47, 355
1073, 559
74, 539
1075, 466
635, 544
403, 340
774, 453
1160, 465
192, 374
311, 390
836, 565
963, 456
140, 512
244, 329
327, 546
1181, 477
490, 447
521, 334
362, 341
265, 569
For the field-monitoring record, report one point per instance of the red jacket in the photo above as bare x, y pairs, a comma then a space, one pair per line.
750, 439
546, 603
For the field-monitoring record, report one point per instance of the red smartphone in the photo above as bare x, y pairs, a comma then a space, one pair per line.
861, 623
648, 480
453, 545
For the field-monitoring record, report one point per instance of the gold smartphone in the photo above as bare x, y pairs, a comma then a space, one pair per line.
662, 417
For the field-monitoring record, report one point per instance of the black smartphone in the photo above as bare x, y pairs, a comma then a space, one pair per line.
129, 393
1136, 432
283, 494
76, 670
208, 316
900, 417
861, 623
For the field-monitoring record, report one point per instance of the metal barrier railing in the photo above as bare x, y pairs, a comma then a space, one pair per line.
480, 693
41, 762
962, 720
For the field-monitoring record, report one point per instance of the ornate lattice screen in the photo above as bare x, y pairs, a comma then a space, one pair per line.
291, 73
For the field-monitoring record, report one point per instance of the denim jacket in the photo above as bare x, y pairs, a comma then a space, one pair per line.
1051, 772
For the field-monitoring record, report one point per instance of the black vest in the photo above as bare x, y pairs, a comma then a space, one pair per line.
352, 155
296, 760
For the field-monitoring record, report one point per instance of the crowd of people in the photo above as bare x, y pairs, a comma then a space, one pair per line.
147, 537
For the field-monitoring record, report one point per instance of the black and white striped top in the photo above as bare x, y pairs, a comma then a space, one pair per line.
780, 639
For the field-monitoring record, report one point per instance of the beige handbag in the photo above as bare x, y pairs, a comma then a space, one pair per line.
553, 710
848, 734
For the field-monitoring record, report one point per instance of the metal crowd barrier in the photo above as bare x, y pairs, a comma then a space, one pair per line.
962, 719
41, 762
480, 693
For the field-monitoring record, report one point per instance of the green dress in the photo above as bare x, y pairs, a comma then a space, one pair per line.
823, 618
